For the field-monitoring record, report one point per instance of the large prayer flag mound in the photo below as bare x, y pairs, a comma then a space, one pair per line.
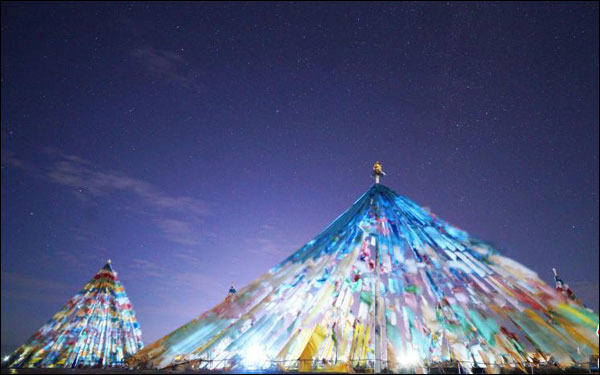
387, 285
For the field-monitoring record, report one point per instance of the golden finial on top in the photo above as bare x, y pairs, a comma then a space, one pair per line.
377, 168
377, 171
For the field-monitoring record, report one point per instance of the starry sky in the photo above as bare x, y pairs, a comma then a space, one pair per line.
199, 144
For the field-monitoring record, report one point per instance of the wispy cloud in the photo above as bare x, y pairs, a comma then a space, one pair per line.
188, 256
89, 182
79, 173
270, 241
70, 259
9, 159
148, 267
269, 246
21, 287
33, 283
201, 282
187, 277
179, 232
170, 66
183, 291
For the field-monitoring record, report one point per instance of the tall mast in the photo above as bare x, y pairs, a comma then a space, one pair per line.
377, 369
377, 172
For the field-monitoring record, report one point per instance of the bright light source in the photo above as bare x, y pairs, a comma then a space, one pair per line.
409, 358
255, 358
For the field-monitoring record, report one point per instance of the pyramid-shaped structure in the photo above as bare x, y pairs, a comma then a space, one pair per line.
96, 328
386, 285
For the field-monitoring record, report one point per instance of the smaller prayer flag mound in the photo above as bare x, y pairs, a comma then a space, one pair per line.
96, 328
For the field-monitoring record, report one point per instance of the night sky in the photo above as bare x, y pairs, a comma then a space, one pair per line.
200, 144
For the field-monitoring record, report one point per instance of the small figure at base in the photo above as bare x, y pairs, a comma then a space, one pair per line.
232, 292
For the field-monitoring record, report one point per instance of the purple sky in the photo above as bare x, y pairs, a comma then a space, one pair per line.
199, 144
